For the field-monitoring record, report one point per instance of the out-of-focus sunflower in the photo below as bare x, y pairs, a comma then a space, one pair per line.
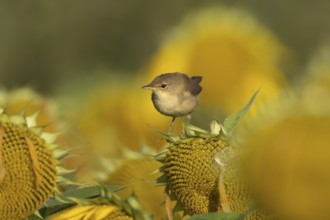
138, 176
93, 212
112, 120
108, 118
29, 156
288, 159
233, 53
315, 85
231, 50
27, 100
113, 116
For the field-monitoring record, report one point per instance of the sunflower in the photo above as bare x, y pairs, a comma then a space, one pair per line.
29, 165
138, 176
288, 158
202, 171
112, 117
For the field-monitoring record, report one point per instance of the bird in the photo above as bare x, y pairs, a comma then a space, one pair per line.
175, 95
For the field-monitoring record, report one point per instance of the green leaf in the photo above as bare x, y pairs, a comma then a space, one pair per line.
232, 120
162, 179
218, 216
48, 211
34, 217
91, 191
82, 193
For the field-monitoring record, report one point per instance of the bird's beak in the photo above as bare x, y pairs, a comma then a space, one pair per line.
147, 87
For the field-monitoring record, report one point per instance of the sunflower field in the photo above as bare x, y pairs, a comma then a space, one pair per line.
81, 140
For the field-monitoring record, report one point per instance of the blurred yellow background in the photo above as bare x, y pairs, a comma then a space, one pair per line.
45, 43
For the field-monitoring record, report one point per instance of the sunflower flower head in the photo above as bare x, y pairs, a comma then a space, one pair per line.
29, 165
201, 170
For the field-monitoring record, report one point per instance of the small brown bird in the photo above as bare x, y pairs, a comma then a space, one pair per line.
175, 94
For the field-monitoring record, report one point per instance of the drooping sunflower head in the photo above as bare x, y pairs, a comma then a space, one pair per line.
28, 166
193, 174
201, 170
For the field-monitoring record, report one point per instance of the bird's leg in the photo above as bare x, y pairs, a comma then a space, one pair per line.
171, 125
188, 118
183, 132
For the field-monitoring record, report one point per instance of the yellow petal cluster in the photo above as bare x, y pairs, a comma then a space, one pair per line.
92, 212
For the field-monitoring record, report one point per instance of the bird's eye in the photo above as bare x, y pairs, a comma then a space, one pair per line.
163, 86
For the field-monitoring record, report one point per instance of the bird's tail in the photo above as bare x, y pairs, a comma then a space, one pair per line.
196, 79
